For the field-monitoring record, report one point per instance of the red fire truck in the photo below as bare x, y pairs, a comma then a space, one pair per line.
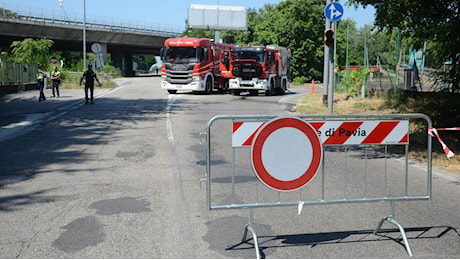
196, 64
257, 68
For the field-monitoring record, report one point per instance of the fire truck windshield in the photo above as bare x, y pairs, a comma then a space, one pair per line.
187, 54
249, 54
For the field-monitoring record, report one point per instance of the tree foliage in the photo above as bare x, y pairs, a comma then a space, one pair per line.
295, 24
436, 22
299, 26
32, 51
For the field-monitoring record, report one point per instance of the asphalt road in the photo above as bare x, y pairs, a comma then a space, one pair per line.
121, 179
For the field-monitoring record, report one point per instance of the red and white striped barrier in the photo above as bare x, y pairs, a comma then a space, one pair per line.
433, 132
337, 132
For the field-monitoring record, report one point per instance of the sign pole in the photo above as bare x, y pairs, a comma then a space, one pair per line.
326, 63
333, 12
330, 83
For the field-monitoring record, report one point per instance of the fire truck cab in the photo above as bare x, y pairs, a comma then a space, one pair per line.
193, 64
265, 68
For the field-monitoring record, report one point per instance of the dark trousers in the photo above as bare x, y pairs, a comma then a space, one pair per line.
41, 86
91, 90
56, 86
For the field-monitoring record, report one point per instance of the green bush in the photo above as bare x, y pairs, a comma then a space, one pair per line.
299, 80
355, 81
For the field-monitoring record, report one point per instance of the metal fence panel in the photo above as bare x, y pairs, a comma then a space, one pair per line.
233, 184
17, 73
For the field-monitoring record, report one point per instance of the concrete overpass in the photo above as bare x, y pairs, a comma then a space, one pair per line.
121, 41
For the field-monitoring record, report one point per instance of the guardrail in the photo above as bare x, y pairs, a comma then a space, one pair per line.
286, 153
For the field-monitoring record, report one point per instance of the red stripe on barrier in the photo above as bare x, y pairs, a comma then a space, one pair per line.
236, 125
405, 139
380, 133
317, 125
249, 140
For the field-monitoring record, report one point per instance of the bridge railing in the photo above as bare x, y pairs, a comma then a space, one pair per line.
112, 24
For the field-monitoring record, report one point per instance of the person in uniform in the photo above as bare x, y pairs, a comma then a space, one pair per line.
41, 84
56, 78
89, 77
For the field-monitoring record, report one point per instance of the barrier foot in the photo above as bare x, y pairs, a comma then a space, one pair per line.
254, 235
401, 229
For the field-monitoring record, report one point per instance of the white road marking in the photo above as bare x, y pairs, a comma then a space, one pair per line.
171, 100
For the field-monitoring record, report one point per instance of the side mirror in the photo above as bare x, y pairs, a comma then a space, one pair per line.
162, 52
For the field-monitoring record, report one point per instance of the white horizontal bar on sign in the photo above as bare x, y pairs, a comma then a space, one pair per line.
337, 132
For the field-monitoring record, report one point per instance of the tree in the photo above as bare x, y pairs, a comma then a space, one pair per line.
32, 51
436, 22
297, 25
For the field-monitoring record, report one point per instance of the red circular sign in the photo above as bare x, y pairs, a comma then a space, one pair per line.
286, 153
53, 59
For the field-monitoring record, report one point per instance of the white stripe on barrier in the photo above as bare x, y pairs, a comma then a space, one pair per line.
243, 133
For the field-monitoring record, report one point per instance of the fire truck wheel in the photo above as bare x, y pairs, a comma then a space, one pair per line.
282, 90
271, 91
208, 87
172, 91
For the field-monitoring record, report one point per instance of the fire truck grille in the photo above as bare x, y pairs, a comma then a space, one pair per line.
179, 73
247, 72
179, 77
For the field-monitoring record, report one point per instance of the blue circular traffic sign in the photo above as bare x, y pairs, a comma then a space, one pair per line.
333, 11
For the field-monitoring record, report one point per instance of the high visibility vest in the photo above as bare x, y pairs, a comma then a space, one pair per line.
40, 76
56, 74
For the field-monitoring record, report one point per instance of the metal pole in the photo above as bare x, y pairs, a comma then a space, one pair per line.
346, 62
335, 57
330, 83
326, 63
84, 35
363, 87
397, 62
217, 31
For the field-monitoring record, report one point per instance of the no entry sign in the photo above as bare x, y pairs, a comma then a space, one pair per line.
286, 153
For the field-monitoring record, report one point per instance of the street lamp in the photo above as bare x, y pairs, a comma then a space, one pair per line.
84, 35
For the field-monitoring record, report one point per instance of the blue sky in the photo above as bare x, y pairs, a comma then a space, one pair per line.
154, 13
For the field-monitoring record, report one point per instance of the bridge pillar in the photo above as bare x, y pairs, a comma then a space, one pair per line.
117, 59
123, 61
128, 65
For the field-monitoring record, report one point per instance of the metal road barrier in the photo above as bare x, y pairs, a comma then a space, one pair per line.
255, 161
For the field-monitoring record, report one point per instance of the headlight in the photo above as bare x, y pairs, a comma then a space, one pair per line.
196, 78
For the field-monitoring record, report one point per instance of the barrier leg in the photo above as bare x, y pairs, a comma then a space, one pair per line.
253, 232
396, 223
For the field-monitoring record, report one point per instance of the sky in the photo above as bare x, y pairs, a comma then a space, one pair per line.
158, 14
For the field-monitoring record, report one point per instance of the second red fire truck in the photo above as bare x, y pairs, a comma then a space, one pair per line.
265, 68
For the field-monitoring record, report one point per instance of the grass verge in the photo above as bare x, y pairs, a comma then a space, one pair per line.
442, 108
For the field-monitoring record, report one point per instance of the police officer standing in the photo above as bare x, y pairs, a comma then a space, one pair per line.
41, 84
89, 77
56, 78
